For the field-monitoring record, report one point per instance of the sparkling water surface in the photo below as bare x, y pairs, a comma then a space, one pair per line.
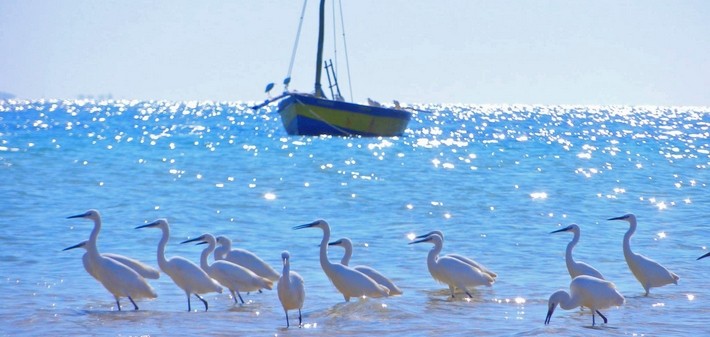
495, 179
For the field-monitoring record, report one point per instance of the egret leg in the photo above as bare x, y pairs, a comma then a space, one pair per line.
134, 303
118, 304
469, 295
188, 303
300, 322
203, 300
234, 296
286, 312
240, 297
452, 291
602, 316
592, 317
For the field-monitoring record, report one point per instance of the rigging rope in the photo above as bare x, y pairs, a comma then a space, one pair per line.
335, 42
298, 36
345, 45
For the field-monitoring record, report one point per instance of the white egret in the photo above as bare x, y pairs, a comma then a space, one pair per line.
348, 281
186, 275
461, 257
576, 268
232, 276
291, 289
451, 271
244, 258
648, 272
119, 279
588, 291
369, 271
140, 267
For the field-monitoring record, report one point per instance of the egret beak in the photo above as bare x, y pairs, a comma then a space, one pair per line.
424, 235
201, 237
623, 217
306, 225
560, 230
152, 224
422, 240
704, 256
78, 245
77, 216
549, 313
335, 243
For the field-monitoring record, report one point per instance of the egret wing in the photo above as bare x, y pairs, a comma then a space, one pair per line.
140, 267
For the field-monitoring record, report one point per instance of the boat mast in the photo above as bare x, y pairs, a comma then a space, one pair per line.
319, 58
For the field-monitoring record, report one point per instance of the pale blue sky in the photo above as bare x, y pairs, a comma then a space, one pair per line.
416, 51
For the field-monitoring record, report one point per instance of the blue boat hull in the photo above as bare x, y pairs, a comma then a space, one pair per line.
311, 116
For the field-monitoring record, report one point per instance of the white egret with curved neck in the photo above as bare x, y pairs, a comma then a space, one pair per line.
589, 291
369, 271
119, 279
576, 268
141, 268
232, 276
186, 275
451, 271
648, 272
291, 289
462, 258
348, 281
243, 258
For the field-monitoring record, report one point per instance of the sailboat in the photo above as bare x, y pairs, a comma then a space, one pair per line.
315, 114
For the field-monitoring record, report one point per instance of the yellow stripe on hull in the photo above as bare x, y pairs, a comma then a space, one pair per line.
303, 115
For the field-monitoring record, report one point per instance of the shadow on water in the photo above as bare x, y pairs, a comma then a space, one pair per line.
602, 327
111, 313
248, 307
444, 295
360, 309
567, 330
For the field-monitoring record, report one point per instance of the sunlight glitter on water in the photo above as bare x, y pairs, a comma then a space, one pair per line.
369, 193
538, 195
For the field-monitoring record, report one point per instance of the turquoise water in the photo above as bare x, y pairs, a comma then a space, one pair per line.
496, 179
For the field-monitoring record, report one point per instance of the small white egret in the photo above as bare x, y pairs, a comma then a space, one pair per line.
186, 275
460, 257
648, 272
369, 271
591, 292
348, 281
451, 271
232, 276
244, 258
576, 268
119, 279
140, 267
291, 289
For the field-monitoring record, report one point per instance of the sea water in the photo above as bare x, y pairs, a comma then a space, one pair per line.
495, 179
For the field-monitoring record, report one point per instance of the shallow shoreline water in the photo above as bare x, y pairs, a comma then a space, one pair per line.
495, 179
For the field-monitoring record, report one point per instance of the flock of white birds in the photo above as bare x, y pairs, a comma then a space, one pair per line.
239, 270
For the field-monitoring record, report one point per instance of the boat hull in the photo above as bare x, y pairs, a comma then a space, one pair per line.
311, 116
